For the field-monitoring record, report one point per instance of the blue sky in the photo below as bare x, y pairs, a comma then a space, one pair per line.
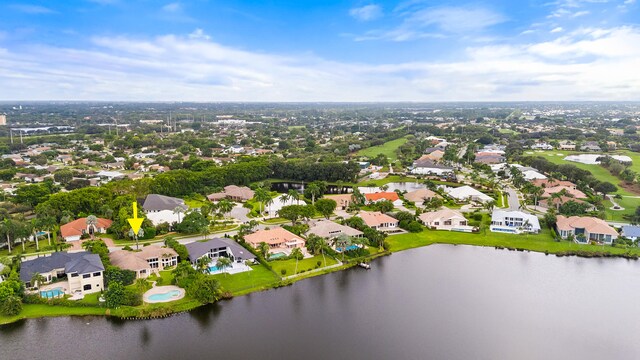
409, 50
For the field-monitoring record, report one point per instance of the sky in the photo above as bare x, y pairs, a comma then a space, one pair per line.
307, 51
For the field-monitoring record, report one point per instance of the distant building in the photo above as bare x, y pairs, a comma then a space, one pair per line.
3, 119
74, 230
514, 222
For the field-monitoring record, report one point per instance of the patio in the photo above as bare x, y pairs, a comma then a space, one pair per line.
235, 268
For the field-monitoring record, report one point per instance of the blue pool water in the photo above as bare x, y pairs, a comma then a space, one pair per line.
164, 296
213, 268
53, 293
350, 247
277, 255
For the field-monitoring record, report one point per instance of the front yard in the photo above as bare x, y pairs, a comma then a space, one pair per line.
303, 265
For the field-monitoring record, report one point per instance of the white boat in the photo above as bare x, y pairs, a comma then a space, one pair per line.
364, 266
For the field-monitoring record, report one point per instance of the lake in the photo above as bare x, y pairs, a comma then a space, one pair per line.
438, 302
283, 187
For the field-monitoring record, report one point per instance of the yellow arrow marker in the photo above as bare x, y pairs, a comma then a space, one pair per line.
135, 222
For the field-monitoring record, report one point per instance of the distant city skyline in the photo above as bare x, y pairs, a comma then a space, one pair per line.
335, 51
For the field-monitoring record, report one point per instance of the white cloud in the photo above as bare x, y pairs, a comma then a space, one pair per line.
586, 64
556, 30
172, 7
418, 22
367, 12
199, 34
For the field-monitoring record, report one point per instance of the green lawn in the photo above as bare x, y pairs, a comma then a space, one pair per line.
259, 278
388, 149
195, 201
541, 242
30, 311
304, 264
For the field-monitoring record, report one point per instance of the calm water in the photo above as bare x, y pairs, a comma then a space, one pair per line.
283, 187
440, 302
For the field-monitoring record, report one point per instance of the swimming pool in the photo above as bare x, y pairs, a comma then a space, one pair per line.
348, 248
277, 255
53, 293
213, 268
164, 296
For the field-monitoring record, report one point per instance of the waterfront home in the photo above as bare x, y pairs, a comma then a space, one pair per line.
488, 158
280, 202
328, 229
419, 196
585, 229
278, 239
342, 201
382, 196
429, 167
446, 219
83, 271
514, 222
379, 221
631, 232
467, 193
233, 193
160, 209
218, 247
74, 230
152, 258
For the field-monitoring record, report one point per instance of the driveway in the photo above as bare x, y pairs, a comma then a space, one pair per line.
240, 212
514, 203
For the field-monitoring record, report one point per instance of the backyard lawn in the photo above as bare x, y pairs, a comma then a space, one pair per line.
388, 149
30, 311
238, 284
541, 242
305, 264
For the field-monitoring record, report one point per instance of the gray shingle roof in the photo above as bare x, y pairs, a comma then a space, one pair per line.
80, 262
631, 231
198, 249
155, 202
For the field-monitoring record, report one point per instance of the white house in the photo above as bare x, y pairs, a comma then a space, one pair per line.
446, 219
280, 202
467, 193
429, 167
515, 222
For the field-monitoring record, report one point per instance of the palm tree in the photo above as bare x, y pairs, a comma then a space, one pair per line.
315, 191
296, 253
92, 223
202, 265
489, 205
37, 280
342, 241
357, 196
292, 195
261, 195
178, 210
264, 250
223, 263
224, 206
384, 187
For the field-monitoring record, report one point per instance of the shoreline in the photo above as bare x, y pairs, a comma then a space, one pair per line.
162, 310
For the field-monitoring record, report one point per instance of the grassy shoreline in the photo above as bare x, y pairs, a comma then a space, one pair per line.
262, 279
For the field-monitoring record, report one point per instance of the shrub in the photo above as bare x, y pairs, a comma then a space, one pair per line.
132, 297
283, 271
115, 295
12, 305
318, 263
115, 274
127, 248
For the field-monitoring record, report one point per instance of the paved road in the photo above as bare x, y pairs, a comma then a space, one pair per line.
240, 212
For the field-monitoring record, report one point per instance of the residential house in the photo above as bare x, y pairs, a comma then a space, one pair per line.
467, 193
280, 202
74, 230
446, 219
152, 258
419, 196
567, 145
218, 247
585, 229
542, 146
342, 201
379, 221
489, 158
160, 209
234, 193
631, 232
83, 271
515, 222
591, 146
382, 196
429, 167
328, 229
278, 239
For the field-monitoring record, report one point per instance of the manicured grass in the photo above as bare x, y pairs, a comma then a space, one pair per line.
195, 201
165, 278
542, 242
388, 149
304, 264
259, 278
91, 299
628, 203
507, 131
31, 311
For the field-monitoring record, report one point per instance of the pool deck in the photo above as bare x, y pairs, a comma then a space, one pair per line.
163, 290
